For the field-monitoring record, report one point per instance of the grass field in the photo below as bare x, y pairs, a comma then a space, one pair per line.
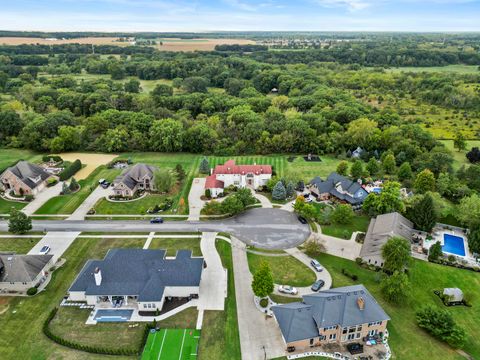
174, 244
458, 69
136, 207
407, 340
345, 231
172, 344
6, 206
460, 156
286, 270
10, 156
18, 245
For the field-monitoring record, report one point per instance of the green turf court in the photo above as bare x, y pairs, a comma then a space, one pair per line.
172, 344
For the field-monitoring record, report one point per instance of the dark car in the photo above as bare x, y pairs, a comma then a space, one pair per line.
302, 220
317, 285
156, 221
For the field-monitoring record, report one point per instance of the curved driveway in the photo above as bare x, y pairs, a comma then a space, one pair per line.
263, 228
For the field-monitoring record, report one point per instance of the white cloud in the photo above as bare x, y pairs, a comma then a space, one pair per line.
352, 5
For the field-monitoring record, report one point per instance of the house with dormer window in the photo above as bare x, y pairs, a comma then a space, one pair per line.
138, 177
25, 178
339, 187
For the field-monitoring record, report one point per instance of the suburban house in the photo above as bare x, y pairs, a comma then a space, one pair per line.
138, 278
339, 315
381, 229
340, 187
21, 272
25, 178
138, 177
222, 176
357, 153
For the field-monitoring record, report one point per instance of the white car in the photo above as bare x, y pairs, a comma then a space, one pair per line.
286, 289
44, 250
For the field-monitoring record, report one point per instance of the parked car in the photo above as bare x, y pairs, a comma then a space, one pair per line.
302, 220
157, 220
317, 285
286, 289
104, 183
44, 250
308, 199
316, 265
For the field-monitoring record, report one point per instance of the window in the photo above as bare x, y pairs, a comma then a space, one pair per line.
358, 335
344, 330
144, 306
352, 329
149, 306
311, 342
359, 328
351, 336
372, 332
333, 336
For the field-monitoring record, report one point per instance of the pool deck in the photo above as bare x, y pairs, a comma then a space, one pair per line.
439, 233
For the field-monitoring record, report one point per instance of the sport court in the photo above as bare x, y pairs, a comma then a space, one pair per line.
171, 344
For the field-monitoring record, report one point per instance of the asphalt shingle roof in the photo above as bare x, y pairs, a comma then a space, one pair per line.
26, 172
329, 186
21, 268
130, 177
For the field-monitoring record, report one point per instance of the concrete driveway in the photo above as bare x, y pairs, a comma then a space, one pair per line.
194, 202
59, 242
266, 203
260, 337
42, 197
90, 202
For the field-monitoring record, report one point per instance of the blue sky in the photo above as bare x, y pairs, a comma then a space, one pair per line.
240, 15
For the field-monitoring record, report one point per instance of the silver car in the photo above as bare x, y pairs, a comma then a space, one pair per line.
286, 289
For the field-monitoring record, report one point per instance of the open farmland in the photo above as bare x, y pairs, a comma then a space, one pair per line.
197, 44
41, 41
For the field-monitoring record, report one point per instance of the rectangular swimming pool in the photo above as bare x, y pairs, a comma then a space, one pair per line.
453, 245
113, 315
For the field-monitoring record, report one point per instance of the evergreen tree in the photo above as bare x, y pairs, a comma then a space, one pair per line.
373, 167
474, 240
65, 188
73, 185
180, 172
279, 192
262, 284
405, 172
423, 214
435, 251
342, 168
290, 189
357, 169
204, 166
19, 223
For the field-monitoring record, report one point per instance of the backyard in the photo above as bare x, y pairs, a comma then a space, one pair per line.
424, 278
174, 244
9, 157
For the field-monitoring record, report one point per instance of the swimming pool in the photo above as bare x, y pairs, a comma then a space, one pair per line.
113, 315
453, 245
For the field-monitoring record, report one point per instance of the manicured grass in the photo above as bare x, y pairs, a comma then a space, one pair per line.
10, 156
307, 170
174, 244
140, 206
18, 245
279, 299
220, 335
67, 204
286, 270
184, 319
460, 156
6, 206
172, 344
345, 231
278, 162
407, 340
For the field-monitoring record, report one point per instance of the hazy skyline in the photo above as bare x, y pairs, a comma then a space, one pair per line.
240, 15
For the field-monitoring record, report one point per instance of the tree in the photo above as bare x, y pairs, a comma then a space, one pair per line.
395, 287
262, 284
245, 196
404, 172
232, 205
65, 189
373, 167
389, 200
474, 155
356, 169
389, 164
474, 240
290, 189
424, 215
313, 248
162, 90
396, 254
343, 214
73, 185
164, 180
195, 84
424, 181
435, 251
180, 172
363, 132
459, 142
342, 168
19, 223
468, 211
132, 86
166, 135
279, 192
204, 166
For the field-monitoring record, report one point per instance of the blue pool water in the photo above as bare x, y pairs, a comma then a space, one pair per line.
453, 245
113, 315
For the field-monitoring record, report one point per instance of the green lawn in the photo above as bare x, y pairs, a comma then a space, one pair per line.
459, 69
345, 231
174, 244
18, 245
407, 340
307, 170
6, 206
67, 204
172, 344
136, 207
279, 299
10, 156
460, 156
286, 270
220, 336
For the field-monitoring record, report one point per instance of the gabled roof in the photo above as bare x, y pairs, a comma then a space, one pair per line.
22, 268
333, 180
339, 306
211, 182
231, 168
28, 172
132, 176
144, 273
383, 228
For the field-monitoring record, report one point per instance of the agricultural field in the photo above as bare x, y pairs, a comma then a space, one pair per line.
86, 40
424, 279
170, 44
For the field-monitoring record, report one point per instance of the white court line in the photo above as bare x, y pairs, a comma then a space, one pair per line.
183, 340
153, 342
161, 346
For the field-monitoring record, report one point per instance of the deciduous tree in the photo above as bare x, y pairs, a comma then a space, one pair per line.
19, 223
262, 284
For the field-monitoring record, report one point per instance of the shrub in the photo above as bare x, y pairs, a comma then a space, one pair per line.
70, 170
208, 193
264, 302
55, 158
32, 291
28, 197
51, 182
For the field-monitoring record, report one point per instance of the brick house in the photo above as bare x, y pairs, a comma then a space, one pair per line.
138, 177
25, 178
340, 315
253, 176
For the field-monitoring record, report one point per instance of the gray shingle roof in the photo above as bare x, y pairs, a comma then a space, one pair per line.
26, 172
22, 268
301, 320
131, 176
329, 186
138, 272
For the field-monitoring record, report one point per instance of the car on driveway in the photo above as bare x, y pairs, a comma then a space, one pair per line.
44, 250
157, 220
104, 183
302, 220
286, 289
316, 265
317, 285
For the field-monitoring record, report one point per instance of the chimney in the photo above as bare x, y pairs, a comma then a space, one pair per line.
361, 303
98, 276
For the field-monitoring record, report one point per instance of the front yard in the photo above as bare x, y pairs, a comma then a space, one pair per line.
6, 206
137, 207
18, 245
174, 244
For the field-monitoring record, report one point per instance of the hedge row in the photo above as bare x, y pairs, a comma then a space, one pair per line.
92, 349
71, 170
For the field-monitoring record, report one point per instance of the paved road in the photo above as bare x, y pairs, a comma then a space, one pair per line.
42, 197
263, 228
